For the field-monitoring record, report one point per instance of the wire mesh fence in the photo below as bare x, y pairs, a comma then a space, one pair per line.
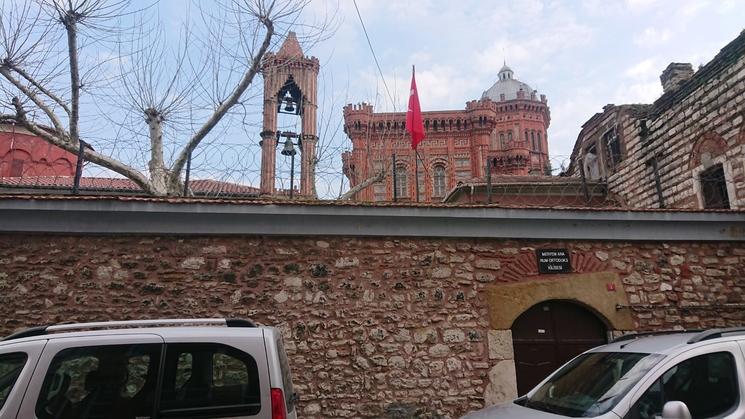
233, 171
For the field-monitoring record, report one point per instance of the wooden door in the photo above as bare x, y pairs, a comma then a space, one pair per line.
549, 334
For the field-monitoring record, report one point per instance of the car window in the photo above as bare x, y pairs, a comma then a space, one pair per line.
591, 384
11, 366
707, 384
209, 381
111, 381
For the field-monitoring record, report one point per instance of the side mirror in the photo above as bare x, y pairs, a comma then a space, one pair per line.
675, 410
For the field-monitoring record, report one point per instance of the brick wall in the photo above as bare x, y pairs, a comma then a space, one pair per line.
373, 325
708, 107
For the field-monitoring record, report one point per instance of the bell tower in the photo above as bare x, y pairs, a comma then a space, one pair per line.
290, 87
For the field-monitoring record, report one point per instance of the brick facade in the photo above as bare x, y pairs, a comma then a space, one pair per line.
509, 131
698, 124
373, 325
23, 154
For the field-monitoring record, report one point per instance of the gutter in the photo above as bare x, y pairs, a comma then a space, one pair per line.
107, 217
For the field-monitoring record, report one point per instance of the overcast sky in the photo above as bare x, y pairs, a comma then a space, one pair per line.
581, 54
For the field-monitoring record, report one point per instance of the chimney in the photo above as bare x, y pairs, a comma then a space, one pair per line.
674, 75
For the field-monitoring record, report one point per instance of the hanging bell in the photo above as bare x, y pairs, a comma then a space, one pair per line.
289, 107
289, 149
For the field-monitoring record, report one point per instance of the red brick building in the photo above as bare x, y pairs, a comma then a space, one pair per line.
23, 154
506, 127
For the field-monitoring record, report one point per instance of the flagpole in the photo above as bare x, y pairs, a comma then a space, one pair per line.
416, 172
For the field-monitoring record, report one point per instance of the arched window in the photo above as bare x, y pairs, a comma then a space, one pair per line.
439, 181
501, 140
526, 136
509, 136
532, 140
402, 184
540, 143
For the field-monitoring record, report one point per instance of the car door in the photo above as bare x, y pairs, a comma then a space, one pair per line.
215, 375
112, 376
17, 361
707, 379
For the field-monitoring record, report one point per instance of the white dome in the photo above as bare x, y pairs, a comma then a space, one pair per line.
507, 86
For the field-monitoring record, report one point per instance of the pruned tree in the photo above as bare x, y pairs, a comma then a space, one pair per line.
115, 57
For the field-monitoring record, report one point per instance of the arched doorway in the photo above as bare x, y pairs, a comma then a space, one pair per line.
550, 333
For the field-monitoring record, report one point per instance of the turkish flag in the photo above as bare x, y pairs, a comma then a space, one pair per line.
414, 124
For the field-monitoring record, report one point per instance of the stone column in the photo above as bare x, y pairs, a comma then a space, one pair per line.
268, 161
502, 376
307, 166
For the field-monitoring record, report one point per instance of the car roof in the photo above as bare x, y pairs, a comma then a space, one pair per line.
668, 342
654, 344
167, 329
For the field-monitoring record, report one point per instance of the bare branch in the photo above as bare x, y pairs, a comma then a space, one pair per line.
379, 177
69, 19
31, 95
89, 154
41, 88
230, 102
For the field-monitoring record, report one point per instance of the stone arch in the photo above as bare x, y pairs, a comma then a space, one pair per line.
591, 290
706, 148
600, 293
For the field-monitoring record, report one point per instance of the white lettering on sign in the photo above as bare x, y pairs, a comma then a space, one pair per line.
541, 331
553, 260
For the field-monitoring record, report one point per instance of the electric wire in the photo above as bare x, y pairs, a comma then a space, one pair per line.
372, 50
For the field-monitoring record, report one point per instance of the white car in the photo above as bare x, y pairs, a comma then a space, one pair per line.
669, 375
190, 368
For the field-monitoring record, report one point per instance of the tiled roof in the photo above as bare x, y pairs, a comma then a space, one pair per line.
341, 204
291, 47
199, 186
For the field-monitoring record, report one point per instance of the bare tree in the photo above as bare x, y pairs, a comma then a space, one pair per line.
179, 94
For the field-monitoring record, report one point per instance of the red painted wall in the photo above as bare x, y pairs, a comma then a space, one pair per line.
23, 154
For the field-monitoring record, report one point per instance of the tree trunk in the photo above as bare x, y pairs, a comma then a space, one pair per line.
158, 172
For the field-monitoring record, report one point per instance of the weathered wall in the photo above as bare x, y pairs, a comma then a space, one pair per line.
689, 129
372, 324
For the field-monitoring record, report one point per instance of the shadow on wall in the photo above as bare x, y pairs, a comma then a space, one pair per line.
409, 411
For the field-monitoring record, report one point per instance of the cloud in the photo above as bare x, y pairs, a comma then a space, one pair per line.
642, 92
640, 5
653, 37
645, 69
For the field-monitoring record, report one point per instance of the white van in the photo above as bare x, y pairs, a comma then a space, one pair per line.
669, 375
184, 368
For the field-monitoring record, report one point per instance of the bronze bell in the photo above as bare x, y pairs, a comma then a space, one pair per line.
289, 107
289, 149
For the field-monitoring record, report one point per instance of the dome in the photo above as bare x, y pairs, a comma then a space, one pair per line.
508, 86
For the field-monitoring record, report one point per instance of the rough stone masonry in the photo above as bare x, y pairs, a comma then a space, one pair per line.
375, 327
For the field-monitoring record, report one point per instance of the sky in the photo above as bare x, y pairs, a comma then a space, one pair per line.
583, 54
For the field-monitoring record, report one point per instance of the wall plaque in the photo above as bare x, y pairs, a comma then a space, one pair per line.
553, 261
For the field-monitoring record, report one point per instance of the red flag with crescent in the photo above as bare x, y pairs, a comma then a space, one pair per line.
414, 124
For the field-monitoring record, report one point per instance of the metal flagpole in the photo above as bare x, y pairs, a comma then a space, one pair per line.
395, 189
416, 173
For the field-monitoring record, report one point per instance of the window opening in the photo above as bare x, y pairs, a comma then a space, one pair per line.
439, 181
714, 188
402, 186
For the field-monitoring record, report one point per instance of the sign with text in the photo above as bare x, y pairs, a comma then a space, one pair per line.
553, 261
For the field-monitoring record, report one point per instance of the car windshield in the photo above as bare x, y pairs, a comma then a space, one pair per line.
591, 384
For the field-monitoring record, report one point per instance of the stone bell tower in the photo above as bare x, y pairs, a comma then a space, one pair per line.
290, 87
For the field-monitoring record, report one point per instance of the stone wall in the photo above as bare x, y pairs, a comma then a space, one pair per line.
375, 327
